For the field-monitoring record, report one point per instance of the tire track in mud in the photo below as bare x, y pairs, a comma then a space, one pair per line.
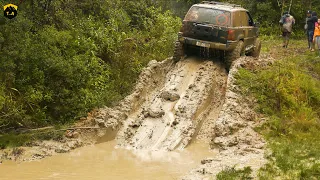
233, 135
172, 114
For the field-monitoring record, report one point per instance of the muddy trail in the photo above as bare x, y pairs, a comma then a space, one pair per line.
173, 112
194, 99
172, 106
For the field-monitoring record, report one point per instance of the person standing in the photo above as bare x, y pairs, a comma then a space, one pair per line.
311, 20
316, 36
306, 28
287, 21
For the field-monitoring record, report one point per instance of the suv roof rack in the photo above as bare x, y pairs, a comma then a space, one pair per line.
220, 3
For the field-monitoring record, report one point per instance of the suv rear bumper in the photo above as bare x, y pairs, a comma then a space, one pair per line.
213, 45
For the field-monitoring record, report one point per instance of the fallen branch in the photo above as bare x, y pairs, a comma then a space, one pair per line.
40, 129
24, 130
75, 128
52, 127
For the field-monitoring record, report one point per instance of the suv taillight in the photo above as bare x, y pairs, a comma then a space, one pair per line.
231, 35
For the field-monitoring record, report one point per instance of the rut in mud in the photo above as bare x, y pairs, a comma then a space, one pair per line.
234, 135
174, 103
171, 114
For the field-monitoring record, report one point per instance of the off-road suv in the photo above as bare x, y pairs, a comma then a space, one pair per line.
226, 28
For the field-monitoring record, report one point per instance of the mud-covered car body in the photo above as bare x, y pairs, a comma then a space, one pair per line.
219, 26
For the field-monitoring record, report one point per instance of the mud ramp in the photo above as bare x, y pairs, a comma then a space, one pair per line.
173, 105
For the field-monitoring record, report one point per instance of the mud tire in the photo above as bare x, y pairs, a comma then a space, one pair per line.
178, 51
256, 50
234, 54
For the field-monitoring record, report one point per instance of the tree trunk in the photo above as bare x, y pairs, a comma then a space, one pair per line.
282, 7
290, 6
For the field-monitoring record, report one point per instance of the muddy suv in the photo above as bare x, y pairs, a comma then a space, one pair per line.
221, 27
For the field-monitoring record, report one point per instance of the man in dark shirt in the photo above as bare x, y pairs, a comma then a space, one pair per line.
311, 20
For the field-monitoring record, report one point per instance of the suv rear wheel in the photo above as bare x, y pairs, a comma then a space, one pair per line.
256, 48
178, 51
234, 54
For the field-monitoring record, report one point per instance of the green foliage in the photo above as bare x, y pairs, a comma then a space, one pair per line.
24, 139
294, 158
60, 59
233, 174
288, 92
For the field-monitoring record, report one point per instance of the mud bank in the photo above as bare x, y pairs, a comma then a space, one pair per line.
233, 134
172, 113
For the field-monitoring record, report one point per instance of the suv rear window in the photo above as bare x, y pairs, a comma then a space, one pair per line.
208, 16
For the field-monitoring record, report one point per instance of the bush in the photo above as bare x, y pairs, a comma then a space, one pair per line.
288, 93
71, 57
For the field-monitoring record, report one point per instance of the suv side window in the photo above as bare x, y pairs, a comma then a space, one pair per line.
251, 23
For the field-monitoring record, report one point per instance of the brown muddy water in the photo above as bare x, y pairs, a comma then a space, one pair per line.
105, 161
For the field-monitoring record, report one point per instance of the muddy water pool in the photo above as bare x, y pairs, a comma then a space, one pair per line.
105, 161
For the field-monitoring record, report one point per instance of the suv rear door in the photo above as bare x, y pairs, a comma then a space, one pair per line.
207, 24
248, 29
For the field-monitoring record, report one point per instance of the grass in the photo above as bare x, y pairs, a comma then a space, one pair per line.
288, 92
233, 174
25, 139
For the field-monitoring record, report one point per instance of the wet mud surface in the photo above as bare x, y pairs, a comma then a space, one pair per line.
172, 106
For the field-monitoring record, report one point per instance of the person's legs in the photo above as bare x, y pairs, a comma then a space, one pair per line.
310, 33
287, 39
309, 45
308, 39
